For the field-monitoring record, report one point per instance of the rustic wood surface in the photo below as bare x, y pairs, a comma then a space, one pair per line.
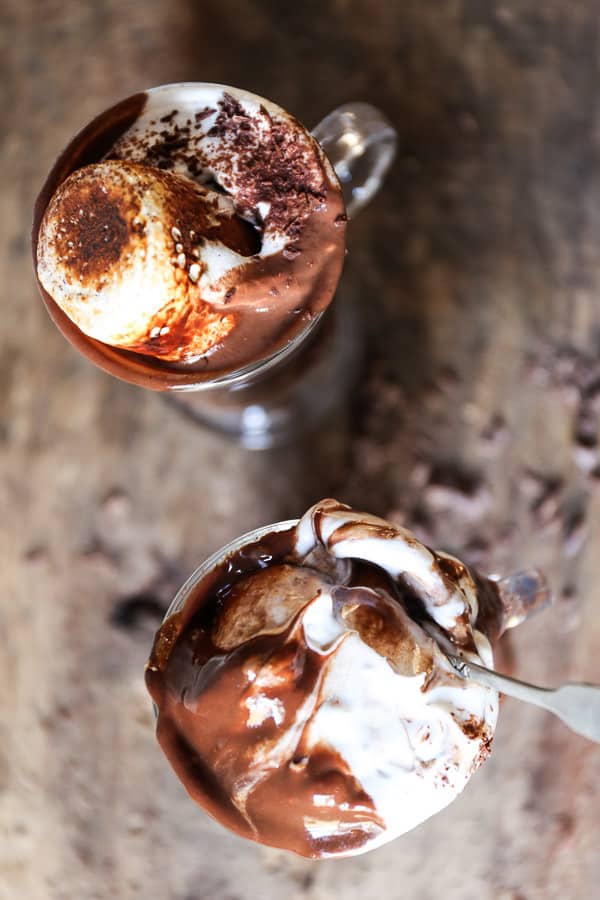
479, 271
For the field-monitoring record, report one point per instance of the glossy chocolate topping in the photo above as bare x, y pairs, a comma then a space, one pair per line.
201, 230
262, 679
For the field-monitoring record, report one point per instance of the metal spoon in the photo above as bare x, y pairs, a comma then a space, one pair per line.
578, 705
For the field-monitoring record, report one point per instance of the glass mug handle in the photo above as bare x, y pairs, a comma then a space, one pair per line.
523, 594
361, 145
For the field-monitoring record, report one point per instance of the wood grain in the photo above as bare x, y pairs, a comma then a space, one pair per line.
477, 424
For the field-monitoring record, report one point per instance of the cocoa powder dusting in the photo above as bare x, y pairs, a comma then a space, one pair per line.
473, 727
94, 230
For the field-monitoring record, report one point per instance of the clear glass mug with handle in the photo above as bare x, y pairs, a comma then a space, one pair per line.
271, 400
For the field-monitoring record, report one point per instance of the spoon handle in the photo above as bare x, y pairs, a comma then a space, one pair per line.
578, 705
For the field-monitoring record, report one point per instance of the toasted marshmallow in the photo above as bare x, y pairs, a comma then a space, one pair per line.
126, 249
301, 697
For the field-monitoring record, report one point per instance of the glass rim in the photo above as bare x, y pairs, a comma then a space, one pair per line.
239, 376
218, 556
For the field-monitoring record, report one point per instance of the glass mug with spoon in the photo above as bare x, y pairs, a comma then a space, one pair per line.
190, 240
325, 684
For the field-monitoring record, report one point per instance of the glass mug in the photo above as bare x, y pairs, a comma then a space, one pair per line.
275, 398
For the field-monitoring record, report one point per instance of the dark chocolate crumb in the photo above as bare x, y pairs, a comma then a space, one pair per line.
453, 475
129, 612
203, 114
586, 429
574, 529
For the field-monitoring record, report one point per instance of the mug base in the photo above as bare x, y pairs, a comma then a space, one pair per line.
292, 398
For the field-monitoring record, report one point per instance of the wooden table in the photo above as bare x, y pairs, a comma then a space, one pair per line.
477, 424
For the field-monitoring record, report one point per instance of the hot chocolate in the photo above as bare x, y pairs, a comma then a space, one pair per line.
301, 696
189, 232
